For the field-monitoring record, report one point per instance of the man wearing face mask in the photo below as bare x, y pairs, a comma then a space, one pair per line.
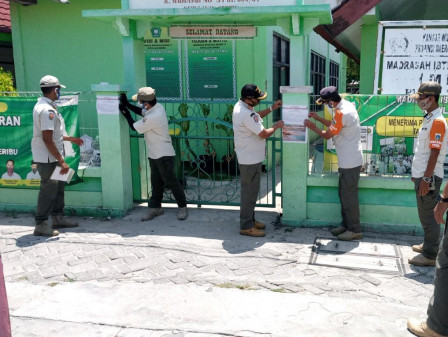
154, 126
250, 146
346, 133
47, 146
427, 170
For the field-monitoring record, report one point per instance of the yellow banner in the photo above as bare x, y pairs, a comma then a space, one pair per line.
399, 126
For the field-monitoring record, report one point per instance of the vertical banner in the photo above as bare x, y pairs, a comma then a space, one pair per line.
163, 64
16, 132
210, 69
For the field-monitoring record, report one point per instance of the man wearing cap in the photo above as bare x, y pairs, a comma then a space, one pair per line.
47, 146
345, 131
250, 146
427, 170
154, 126
436, 324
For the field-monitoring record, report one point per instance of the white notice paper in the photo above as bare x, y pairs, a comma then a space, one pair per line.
294, 130
107, 105
62, 177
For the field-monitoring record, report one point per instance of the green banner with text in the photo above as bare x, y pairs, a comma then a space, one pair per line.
16, 132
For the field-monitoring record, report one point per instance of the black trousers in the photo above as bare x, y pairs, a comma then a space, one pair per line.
51, 194
348, 195
250, 176
162, 176
438, 305
425, 206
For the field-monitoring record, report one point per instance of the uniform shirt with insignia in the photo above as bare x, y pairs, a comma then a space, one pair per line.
247, 124
154, 126
46, 117
347, 135
432, 135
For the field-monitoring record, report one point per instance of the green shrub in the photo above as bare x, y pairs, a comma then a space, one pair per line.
6, 82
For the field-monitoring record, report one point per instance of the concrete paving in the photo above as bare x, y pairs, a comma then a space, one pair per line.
199, 277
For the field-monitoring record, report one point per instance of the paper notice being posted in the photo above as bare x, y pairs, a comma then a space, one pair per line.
63, 177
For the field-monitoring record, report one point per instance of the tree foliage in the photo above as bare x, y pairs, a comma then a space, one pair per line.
352, 76
352, 71
6, 81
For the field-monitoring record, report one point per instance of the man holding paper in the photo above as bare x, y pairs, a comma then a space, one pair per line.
47, 146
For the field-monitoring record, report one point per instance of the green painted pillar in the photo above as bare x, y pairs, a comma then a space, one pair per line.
295, 165
113, 131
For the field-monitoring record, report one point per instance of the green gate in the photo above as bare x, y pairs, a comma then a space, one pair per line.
206, 163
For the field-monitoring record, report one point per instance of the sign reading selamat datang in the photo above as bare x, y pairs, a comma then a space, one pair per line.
164, 4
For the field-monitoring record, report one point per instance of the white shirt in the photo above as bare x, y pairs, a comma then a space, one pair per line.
432, 135
33, 176
247, 124
347, 135
46, 117
154, 126
13, 176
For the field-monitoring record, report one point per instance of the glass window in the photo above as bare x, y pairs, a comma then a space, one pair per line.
317, 80
280, 61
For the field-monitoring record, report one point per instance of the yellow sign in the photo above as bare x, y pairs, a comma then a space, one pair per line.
399, 126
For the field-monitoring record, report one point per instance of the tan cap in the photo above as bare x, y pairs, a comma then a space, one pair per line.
50, 81
146, 94
428, 88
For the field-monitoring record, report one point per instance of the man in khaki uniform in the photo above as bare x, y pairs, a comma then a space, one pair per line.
250, 148
427, 170
47, 146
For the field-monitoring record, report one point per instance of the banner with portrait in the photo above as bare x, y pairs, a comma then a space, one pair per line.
16, 131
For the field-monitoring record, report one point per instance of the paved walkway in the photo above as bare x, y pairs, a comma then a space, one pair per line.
199, 277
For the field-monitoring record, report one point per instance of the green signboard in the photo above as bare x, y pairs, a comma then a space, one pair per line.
210, 69
163, 64
16, 132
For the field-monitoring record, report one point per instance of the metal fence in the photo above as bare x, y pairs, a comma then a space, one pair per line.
206, 162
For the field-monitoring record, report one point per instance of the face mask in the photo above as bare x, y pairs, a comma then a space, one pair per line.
143, 106
58, 92
423, 103
253, 104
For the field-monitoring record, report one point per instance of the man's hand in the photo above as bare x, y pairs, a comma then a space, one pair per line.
277, 105
423, 188
439, 211
77, 141
309, 124
123, 99
64, 167
279, 125
313, 114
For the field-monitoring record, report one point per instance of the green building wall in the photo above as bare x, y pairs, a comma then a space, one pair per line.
54, 39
